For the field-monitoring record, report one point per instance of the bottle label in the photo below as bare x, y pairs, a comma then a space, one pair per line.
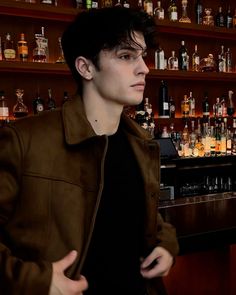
23, 50
39, 107
165, 106
94, 4
174, 16
9, 53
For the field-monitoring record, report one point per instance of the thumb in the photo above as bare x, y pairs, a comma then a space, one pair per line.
66, 261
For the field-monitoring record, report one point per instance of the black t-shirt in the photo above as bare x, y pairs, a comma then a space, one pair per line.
112, 265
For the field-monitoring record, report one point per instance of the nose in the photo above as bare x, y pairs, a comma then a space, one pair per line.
142, 67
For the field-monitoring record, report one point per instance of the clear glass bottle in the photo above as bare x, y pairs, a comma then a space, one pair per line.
159, 59
184, 18
61, 58
173, 11
148, 6
20, 109
159, 11
222, 61
22, 48
173, 62
9, 51
195, 59
40, 53
191, 105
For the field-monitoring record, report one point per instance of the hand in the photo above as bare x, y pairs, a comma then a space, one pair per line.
61, 285
156, 264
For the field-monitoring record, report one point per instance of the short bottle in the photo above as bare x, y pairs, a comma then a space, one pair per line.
159, 59
148, 6
9, 52
172, 107
173, 11
19, 109
159, 11
184, 18
38, 104
173, 62
22, 48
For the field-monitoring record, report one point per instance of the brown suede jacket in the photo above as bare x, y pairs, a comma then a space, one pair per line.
51, 180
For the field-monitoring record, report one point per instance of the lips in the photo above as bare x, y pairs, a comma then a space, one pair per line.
139, 85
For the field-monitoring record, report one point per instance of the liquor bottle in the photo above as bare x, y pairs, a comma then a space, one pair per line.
213, 141
38, 104
40, 53
159, 11
65, 97
230, 107
185, 141
140, 4
51, 103
1, 57
184, 18
208, 18
233, 150
228, 61
126, 3
20, 109
61, 58
217, 109
148, 6
172, 107
183, 57
163, 101
47, 2
221, 61
79, 4
223, 139
220, 18
95, 4
198, 12
191, 105
4, 110
9, 51
22, 48
185, 107
159, 59
205, 108
228, 141
195, 60
173, 11
218, 140
234, 19
229, 19
173, 63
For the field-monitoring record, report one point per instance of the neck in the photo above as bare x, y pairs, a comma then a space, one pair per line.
103, 114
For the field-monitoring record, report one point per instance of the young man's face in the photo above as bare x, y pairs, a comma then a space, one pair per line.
122, 72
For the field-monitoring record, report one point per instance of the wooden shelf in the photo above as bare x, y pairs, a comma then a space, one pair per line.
190, 75
38, 11
195, 30
34, 68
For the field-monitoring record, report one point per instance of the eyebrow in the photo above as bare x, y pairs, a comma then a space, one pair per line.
128, 47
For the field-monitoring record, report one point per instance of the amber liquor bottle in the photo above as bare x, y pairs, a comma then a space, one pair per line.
22, 48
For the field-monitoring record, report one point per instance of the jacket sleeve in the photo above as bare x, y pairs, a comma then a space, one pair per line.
16, 275
166, 236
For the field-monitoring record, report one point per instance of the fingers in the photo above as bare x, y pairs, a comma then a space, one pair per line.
67, 261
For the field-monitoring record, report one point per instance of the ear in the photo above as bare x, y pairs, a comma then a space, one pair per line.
84, 67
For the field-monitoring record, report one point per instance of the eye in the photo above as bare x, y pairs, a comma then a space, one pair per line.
126, 56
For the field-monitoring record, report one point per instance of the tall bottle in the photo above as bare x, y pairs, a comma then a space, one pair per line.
159, 59
220, 18
195, 59
22, 48
198, 12
205, 108
183, 57
185, 107
4, 110
163, 101
229, 19
222, 61
173, 11
230, 107
9, 51
51, 103
159, 11
191, 105
228, 61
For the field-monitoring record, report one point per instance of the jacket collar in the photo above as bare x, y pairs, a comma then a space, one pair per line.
78, 129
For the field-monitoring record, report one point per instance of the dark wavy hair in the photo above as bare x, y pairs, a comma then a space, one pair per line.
106, 28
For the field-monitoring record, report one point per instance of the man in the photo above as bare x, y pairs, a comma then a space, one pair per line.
79, 186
